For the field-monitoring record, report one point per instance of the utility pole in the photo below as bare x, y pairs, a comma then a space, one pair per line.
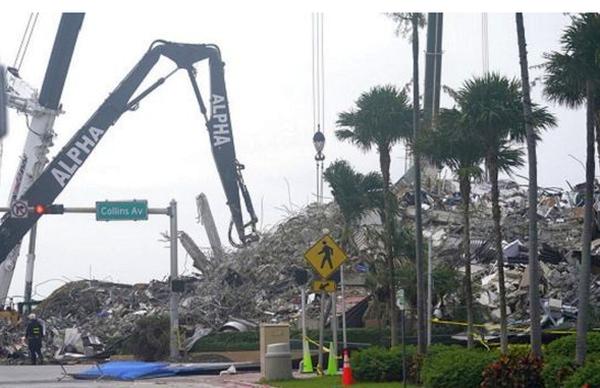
43, 112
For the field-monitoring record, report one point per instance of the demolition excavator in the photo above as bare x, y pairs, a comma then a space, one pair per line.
55, 177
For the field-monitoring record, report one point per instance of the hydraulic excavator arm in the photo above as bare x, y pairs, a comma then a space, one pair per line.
67, 162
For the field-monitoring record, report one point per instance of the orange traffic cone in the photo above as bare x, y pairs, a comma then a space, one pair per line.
347, 371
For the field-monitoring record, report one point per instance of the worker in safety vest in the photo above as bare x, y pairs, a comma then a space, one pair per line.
34, 335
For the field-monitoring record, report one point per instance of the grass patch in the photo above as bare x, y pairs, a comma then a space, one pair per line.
331, 382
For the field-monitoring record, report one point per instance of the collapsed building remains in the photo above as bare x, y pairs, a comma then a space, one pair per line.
259, 283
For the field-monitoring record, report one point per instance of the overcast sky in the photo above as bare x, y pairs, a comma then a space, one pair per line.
161, 151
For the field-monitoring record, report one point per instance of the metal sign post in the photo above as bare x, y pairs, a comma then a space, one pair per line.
334, 325
174, 302
321, 334
344, 339
401, 305
303, 317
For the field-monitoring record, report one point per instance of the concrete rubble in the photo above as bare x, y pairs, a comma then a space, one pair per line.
560, 220
259, 283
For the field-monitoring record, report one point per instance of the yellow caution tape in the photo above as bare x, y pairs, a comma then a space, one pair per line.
325, 349
491, 326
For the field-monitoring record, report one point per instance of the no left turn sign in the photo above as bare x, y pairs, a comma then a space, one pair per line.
19, 209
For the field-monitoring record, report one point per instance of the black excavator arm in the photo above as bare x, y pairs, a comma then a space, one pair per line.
218, 122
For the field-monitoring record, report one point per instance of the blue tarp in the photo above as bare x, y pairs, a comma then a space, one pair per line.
133, 370
126, 370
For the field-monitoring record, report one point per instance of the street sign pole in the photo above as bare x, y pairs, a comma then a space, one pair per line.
174, 321
334, 324
401, 305
344, 339
303, 317
321, 332
29, 268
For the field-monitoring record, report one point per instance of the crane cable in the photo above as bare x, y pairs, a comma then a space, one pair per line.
318, 93
19, 58
25, 40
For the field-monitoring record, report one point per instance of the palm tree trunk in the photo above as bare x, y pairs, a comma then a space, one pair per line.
584, 270
421, 324
493, 171
384, 165
465, 194
534, 276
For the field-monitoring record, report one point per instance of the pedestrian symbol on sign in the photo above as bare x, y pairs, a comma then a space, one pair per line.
327, 252
325, 256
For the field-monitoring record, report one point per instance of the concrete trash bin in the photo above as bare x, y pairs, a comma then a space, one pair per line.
278, 362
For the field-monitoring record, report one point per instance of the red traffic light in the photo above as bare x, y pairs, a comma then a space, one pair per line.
39, 209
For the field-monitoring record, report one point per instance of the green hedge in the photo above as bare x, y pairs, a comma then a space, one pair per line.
232, 341
249, 340
565, 346
455, 367
379, 364
588, 374
556, 370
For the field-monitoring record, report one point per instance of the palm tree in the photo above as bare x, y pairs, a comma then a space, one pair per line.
354, 193
533, 270
454, 145
572, 78
492, 105
380, 120
416, 20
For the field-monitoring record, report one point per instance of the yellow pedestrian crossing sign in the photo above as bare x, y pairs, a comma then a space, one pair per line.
325, 256
323, 285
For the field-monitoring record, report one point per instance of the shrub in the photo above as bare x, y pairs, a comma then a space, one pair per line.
565, 346
456, 368
150, 340
556, 370
519, 350
515, 372
379, 364
249, 340
228, 341
589, 375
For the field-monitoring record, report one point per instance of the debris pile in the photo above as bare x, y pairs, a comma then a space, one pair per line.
258, 283
560, 218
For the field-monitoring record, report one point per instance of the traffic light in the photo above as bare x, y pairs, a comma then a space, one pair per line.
41, 209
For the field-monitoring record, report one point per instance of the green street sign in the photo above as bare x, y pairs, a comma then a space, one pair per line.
122, 210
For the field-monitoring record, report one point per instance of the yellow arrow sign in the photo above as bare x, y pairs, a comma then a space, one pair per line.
325, 256
323, 285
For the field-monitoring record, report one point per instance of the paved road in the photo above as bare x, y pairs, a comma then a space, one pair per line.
48, 375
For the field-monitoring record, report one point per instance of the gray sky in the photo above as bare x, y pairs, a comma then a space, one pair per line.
161, 151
